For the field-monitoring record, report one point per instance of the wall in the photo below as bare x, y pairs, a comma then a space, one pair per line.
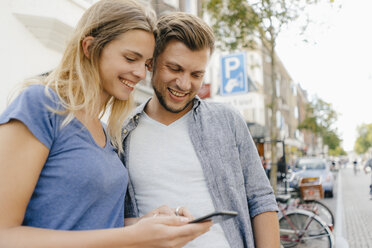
29, 46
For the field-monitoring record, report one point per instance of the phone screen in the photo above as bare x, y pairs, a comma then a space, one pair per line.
216, 217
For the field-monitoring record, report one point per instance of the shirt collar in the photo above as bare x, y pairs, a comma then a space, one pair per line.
196, 103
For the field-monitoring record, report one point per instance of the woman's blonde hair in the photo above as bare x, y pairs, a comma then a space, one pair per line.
77, 80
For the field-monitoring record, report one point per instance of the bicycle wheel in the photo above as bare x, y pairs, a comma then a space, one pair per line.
304, 230
319, 209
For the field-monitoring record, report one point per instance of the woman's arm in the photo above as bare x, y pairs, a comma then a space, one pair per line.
22, 157
159, 232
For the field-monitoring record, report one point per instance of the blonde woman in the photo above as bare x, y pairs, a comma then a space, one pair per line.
59, 165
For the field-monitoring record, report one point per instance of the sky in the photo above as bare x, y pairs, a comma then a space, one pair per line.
336, 61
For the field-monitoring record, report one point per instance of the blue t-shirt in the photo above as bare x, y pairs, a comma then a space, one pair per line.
82, 185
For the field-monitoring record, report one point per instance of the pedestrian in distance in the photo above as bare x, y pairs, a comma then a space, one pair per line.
367, 169
355, 166
183, 151
62, 183
282, 168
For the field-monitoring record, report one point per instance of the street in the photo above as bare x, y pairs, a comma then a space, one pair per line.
355, 222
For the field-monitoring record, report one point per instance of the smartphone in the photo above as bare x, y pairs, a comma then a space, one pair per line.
216, 217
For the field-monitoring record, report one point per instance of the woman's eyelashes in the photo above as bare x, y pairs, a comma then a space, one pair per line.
130, 59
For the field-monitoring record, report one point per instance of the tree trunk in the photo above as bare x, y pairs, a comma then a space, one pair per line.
273, 128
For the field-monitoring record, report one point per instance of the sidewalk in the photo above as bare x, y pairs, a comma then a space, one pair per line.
357, 208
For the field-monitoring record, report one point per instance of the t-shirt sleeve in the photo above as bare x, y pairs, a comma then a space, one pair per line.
32, 108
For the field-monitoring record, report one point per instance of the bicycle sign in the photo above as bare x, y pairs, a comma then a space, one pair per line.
234, 75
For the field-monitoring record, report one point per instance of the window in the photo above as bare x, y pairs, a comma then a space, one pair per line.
191, 7
277, 85
173, 3
294, 90
295, 112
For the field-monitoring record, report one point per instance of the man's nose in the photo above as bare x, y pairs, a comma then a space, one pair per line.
184, 82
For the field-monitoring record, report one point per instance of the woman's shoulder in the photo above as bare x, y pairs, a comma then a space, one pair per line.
39, 94
38, 91
33, 107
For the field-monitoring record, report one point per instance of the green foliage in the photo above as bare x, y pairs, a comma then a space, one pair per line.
236, 23
331, 139
233, 23
338, 151
320, 118
364, 140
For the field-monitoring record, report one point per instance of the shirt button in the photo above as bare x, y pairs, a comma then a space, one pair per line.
125, 131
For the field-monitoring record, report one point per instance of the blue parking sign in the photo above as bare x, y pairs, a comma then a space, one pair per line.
234, 75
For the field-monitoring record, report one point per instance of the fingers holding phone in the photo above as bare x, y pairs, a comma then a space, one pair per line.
216, 217
183, 211
163, 210
168, 231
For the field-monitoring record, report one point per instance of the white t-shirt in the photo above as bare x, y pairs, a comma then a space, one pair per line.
165, 169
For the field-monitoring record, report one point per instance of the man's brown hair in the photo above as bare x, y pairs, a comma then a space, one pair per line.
186, 28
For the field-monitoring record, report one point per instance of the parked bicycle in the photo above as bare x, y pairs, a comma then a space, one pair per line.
304, 221
304, 229
314, 206
307, 197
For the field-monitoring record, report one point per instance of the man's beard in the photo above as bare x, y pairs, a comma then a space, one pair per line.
163, 103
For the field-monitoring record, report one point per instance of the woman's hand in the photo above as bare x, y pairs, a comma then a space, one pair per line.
162, 211
165, 231
182, 211
167, 211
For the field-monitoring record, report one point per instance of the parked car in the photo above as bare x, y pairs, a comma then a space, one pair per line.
313, 167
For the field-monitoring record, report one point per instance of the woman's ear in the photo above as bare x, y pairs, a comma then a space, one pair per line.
86, 42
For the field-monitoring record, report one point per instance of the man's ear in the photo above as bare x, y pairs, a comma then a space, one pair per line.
85, 43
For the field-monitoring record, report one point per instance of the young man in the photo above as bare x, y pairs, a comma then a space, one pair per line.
182, 151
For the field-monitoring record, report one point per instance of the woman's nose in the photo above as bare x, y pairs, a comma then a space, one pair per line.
140, 72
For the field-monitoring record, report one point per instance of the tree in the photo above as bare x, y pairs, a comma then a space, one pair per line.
333, 141
320, 119
337, 152
364, 140
320, 116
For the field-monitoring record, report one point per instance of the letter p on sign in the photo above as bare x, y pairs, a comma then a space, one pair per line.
231, 64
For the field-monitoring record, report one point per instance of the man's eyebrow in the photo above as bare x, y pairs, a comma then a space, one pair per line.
176, 64
172, 63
